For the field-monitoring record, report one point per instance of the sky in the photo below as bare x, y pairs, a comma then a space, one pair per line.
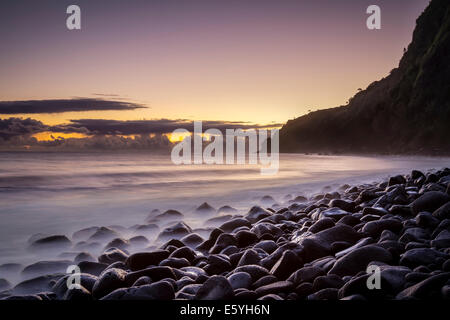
254, 61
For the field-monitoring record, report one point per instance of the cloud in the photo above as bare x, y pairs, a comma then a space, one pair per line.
160, 126
64, 105
101, 134
13, 127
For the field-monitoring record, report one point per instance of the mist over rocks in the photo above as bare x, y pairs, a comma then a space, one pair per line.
287, 251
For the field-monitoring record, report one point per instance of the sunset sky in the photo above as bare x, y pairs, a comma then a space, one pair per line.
254, 61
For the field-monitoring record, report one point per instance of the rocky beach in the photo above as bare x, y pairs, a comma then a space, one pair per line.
308, 247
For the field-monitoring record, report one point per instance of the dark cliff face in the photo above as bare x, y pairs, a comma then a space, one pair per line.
406, 112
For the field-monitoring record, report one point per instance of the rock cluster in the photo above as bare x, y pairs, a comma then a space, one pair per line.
317, 248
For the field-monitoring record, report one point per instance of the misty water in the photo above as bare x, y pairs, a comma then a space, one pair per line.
59, 193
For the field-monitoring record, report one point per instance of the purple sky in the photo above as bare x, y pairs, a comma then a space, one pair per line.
259, 61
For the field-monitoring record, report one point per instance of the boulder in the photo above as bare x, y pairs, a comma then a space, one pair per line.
358, 259
215, 288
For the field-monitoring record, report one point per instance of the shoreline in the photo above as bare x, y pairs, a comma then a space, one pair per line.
314, 248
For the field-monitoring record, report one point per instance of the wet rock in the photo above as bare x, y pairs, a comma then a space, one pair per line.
257, 213
205, 208
414, 234
169, 215
161, 290
84, 256
245, 238
35, 285
108, 281
104, 234
59, 242
427, 289
334, 213
250, 256
45, 267
227, 210
306, 274
215, 288
4, 284
176, 231
240, 280
427, 220
142, 281
264, 281
343, 204
429, 201
275, 287
329, 281
303, 290
87, 281
139, 241
443, 212
255, 271
286, 265
78, 294
112, 255
224, 240
141, 260
325, 294
442, 240
217, 264
94, 268
192, 240
175, 262
233, 224
268, 246
421, 256
263, 228
322, 224
375, 228
358, 259
184, 252
399, 179
379, 211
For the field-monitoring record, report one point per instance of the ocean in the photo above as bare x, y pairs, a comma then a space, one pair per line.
59, 193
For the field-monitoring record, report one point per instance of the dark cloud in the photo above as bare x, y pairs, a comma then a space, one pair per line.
13, 127
64, 105
160, 126
17, 133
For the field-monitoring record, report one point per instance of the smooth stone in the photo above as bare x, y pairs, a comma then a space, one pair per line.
177, 231
443, 212
240, 280
358, 259
94, 268
275, 287
161, 290
35, 285
375, 228
257, 213
104, 234
235, 223
268, 246
45, 267
108, 281
60, 242
246, 238
421, 256
112, 255
427, 289
141, 260
215, 288
429, 201
286, 265
306, 274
